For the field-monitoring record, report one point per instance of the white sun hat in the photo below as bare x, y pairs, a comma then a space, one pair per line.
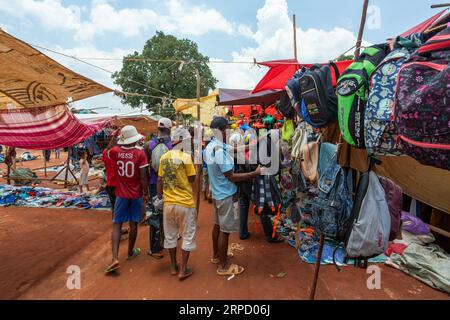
165, 123
179, 134
129, 135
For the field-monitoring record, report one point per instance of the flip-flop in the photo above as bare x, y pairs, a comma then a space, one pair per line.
113, 267
157, 256
189, 273
217, 260
136, 253
236, 246
233, 269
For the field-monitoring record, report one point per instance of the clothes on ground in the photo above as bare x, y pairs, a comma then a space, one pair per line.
27, 156
413, 224
127, 210
129, 161
111, 170
429, 264
219, 161
175, 169
49, 198
180, 220
226, 215
397, 248
24, 176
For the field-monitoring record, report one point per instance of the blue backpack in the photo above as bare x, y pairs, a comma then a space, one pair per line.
330, 211
379, 131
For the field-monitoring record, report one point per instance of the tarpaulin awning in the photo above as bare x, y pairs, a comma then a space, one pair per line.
422, 27
208, 107
282, 70
44, 128
29, 78
236, 97
145, 123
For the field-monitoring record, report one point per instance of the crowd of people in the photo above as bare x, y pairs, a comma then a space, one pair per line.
162, 171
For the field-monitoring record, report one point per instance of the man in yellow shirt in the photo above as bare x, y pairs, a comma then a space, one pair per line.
175, 178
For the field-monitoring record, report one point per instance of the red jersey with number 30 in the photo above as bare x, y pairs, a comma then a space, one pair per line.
128, 162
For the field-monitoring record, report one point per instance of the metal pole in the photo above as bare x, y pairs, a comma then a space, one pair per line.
199, 166
361, 29
295, 38
45, 163
317, 267
67, 169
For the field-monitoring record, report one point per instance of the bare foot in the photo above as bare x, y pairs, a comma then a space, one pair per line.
174, 270
186, 274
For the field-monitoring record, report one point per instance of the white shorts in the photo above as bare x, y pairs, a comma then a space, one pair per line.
183, 221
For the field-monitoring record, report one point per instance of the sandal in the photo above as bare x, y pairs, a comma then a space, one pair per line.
113, 267
157, 256
236, 246
136, 253
217, 260
233, 269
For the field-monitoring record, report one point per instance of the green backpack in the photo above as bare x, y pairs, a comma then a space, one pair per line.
353, 91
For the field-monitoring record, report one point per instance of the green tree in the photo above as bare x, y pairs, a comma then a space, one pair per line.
345, 57
171, 76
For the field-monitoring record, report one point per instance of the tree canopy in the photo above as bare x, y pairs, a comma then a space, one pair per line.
167, 73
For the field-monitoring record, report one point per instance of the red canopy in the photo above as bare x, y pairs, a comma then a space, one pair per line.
424, 25
282, 70
44, 128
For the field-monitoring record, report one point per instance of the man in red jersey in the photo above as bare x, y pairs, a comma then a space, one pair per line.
131, 190
111, 178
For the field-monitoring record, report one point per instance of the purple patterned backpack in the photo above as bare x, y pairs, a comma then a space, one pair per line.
422, 112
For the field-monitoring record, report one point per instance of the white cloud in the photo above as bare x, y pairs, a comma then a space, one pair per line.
102, 17
273, 41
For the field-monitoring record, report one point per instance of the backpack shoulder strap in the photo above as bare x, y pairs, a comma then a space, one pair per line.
336, 70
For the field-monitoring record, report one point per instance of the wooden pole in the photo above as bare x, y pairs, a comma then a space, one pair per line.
361, 29
434, 6
317, 267
199, 145
67, 169
295, 37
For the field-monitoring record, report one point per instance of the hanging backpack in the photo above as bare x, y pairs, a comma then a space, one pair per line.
284, 105
422, 112
380, 138
353, 90
318, 97
330, 211
159, 149
369, 234
394, 198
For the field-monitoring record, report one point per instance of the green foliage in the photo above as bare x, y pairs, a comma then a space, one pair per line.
164, 76
346, 57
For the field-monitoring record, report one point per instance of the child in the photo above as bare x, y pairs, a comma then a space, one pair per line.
84, 165
58, 153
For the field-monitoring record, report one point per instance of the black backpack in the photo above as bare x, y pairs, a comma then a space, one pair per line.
284, 105
319, 100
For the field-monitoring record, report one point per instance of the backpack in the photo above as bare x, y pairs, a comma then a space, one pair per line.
422, 112
369, 234
379, 132
284, 105
318, 97
157, 151
353, 89
394, 198
329, 212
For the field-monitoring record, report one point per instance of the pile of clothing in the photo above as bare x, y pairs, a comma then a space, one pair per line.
50, 198
24, 176
417, 255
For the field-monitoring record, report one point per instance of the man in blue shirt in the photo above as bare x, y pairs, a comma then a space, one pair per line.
222, 179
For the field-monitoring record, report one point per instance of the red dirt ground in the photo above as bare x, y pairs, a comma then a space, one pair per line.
37, 245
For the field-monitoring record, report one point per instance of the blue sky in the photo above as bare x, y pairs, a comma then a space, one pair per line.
238, 30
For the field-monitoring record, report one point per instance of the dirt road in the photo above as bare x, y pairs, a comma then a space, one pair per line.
37, 246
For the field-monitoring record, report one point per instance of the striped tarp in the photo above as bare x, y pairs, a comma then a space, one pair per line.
44, 128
